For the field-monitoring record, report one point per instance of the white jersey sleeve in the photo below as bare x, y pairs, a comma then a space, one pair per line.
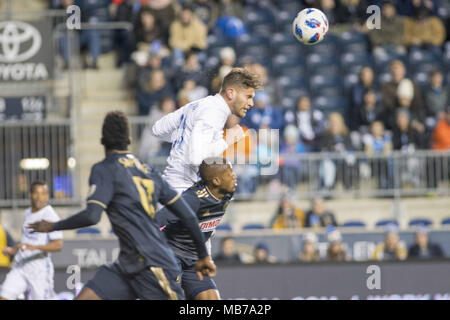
50, 215
167, 125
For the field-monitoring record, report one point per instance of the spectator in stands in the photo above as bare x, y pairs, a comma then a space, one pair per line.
405, 94
336, 251
269, 83
290, 166
288, 216
263, 114
366, 82
206, 11
126, 11
150, 146
192, 90
405, 136
191, 70
153, 92
261, 254
423, 248
309, 252
389, 92
227, 62
336, 139
230, 8
437, 97
368, 112
146, 30
424, 31
377, 142
408, 7
310, 122
318, 216
391, 248
388, 40
441, 134
187, 32
228, 253
6, 241
164, 13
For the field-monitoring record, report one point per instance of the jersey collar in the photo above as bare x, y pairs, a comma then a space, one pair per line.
223, 103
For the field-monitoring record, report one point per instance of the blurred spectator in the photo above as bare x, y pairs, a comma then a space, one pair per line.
391, 248
191, 70
441, 134
126, 11
150, 146
407, 7
287, 215
406, 137
336, 251
389, 92
5, 241
424, 31
206, 11
290, 166
310, 252
269, 83
228, 253
423, 248
153, 92
366, 82
337, 139
187, 33
310, 122
192, 90
146, 30
261, 254
230, 8
164, 13
263, 114
437, 97
318, 216
368, 112
405, 94
389, 40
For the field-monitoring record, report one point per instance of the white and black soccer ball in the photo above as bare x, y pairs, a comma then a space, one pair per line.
310, 26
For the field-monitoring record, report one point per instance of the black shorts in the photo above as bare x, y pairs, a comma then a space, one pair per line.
190, 282
152, 283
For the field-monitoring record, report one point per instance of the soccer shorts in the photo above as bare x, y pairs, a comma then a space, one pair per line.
190, 282
152, 283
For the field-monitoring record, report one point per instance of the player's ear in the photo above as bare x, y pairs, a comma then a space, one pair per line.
230, 92
216, 181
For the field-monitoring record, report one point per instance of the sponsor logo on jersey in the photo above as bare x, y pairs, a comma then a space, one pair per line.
210, 225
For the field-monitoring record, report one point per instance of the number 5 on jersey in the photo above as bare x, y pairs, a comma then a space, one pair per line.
146, 188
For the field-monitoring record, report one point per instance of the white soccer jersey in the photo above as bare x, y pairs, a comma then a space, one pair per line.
196, 133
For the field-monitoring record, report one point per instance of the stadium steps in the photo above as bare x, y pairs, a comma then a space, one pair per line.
24, 5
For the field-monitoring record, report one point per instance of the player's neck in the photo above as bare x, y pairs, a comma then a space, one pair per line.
109, 152
215, 193
225, 99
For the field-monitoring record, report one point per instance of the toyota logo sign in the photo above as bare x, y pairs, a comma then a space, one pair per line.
19, 41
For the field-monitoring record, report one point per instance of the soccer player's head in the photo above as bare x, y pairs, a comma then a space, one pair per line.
39, 195
115, 131
217, 173
238, 89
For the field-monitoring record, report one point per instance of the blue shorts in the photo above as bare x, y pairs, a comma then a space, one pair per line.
190, 282
152, 283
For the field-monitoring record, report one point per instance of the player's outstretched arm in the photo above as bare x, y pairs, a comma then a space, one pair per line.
88, 217
164, 127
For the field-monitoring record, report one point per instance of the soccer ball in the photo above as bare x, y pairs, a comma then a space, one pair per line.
310, 26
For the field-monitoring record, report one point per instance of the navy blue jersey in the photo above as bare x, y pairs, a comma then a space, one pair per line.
209, 211
129, 192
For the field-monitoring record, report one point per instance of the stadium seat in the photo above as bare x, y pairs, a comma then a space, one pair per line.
354, 224
253, 226
258, 16
88, 230
319, 82
351, 60
352, 37
295, 93
316, 60
224, 227
445, 221
384, 223
329, 104
421, 78
280, 39
292, 6
420, 222
282, 19
288, 103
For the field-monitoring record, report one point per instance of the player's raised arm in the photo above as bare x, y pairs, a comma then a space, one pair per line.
164, 127
102, 192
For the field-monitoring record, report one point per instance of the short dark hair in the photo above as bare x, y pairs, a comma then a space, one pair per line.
37, 183
241, 77
115, 131
211, 167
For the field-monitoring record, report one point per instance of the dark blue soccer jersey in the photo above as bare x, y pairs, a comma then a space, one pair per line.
129, 192
209, 211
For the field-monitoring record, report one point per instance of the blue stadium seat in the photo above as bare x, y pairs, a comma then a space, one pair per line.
445, 221
351, 60
261, 29
420, 56
253, 226
354, 223
282, 19
224, 227
292, 6
258, 16
421, 78
295, 93
280, 39
384, 223
329, 45
88, 230
290, 70
329, 104
319, 82
353, 40
288, 102
420, 222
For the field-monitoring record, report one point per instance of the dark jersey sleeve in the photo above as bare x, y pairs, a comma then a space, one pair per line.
101, 188
167, 194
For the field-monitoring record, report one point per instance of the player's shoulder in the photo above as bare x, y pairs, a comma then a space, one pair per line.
49, 210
